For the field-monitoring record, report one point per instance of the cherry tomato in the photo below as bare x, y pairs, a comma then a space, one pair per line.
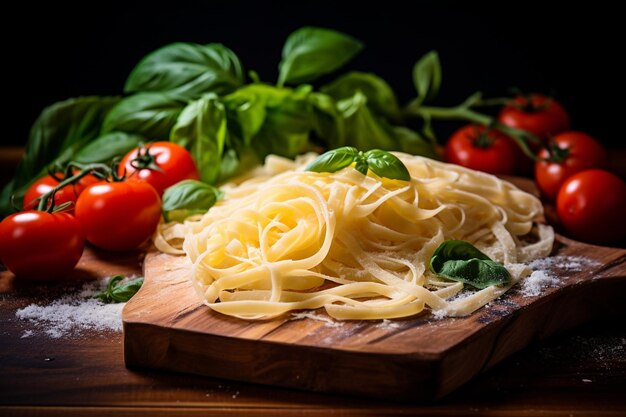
591, 205
39, 245
69, 193
540, 115
161, 164
118, 215
475, 147
569, 153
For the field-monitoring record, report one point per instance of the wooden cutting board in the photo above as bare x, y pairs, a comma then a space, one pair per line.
416, 359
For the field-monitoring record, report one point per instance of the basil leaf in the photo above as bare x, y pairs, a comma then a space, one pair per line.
108, 146
246, 109
311, 52
427, 77
202, 129
335, 160
124, 291
361, 166
149, 114
287, 125
118, 291
57, 135
411, 142
363, 130
380, 97
237, 162
105, 296
187, 198
187, 70
458, 260
386, 165
262, 120
327, 121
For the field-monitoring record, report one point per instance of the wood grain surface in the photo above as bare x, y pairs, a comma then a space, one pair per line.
579, 373
421, 358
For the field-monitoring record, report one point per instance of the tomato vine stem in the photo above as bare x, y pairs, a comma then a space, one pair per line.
464, 112
99, 170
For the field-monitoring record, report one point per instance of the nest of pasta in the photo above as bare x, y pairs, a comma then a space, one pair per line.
359, 246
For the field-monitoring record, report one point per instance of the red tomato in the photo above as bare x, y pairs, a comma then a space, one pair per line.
118, 215
571, 152
69, 193
591, 205
161, 164
39, 245
540, 115
475, 147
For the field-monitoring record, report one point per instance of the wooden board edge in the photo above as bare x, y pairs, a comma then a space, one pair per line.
252, 362
176, 350
584, 301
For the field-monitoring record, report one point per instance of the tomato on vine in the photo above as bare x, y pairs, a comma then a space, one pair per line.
39, 245
67, 194
591, 205
119, 215
161, 164
537, 114
483, 149
566, 154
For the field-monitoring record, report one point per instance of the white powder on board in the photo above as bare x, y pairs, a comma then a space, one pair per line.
327, 320
73, 313
543, 275
439, 314
533, 285
387, 324
564, 263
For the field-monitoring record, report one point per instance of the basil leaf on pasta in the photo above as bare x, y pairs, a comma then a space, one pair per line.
333, 161
460, 261
386, 165
187, 198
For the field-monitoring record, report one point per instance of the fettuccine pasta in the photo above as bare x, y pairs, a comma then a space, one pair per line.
285, 239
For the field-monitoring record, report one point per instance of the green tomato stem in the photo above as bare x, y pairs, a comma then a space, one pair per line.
520, 137
84, 171
453, 113
463, 112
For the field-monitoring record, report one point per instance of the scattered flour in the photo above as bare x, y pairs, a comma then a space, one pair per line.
388, 324
304, 315
564, 263
536, 282
544, 269
439, 314
73, 313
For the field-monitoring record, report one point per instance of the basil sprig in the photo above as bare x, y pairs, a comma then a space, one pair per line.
311, 52
187, 70
458, 260
118, 291
187, 198
381, 163
427, 77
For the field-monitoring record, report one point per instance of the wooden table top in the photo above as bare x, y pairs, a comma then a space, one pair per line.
578, 373
581, 372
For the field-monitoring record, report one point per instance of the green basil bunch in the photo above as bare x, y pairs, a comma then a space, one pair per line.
200, 97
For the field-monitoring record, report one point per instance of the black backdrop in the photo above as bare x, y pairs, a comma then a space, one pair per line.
54, 51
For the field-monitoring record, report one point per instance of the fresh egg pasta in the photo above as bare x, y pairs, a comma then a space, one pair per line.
359, 246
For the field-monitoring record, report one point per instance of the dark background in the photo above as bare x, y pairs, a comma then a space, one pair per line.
56, 51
